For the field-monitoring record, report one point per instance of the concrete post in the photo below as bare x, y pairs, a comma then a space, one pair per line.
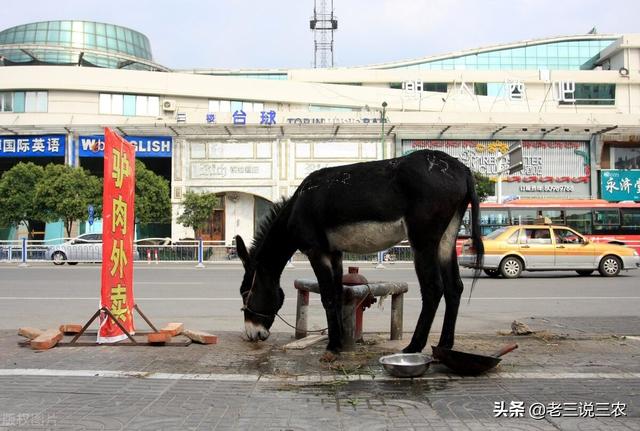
302, 311
396, 316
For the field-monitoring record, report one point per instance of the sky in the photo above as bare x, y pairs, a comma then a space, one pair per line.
234, 34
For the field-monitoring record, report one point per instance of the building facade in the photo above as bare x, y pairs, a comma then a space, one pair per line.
253, 135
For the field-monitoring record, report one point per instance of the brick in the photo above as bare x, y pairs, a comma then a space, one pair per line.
30, 333
201, 337
173, 328
46, 340
71, 328
158, 337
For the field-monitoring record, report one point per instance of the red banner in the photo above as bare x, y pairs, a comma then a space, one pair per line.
117, 237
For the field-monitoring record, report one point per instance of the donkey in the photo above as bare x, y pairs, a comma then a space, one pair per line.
364, 208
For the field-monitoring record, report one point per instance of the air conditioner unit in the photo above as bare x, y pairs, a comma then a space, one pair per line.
169, 105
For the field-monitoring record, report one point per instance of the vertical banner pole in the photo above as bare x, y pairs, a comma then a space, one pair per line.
24, 252
200, 254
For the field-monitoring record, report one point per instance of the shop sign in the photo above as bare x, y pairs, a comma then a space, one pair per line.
550, 168
32, 146
146, 146
620, 185
230, 170
333, 120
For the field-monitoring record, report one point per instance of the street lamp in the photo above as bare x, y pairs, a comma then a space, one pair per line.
384, 110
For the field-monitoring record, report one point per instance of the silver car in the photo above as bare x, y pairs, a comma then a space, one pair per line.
84, 248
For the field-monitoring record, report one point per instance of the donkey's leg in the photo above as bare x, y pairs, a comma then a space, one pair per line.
431, 287
452, 292
330, 294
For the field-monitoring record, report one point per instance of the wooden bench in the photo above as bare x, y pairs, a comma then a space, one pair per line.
352, 317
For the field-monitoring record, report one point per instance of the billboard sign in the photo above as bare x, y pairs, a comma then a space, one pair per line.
146, 146
32, 146
620, 185
554, 169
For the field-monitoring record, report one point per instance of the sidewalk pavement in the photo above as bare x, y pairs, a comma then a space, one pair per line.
566, 366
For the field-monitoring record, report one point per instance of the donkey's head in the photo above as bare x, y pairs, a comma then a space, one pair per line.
262, 296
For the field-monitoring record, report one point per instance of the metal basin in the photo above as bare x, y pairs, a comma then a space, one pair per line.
406, 364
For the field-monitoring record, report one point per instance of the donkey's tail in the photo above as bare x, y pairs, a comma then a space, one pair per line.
476, 237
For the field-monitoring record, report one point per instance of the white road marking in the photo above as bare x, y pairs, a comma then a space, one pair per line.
549, 375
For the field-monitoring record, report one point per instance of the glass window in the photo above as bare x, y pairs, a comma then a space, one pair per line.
494, 216
111, 31
214, 106
153, 106
580, 220
141, 105
6, 102
90, 40
18, 101
625, 157
41, 101
523, 216
556, 216
258, 106
225, 106
117, 101
105, 103
129, 105
606, 220
566, 236
30, 101
236, 105
513, 239
100, 29
630, 220
536, 236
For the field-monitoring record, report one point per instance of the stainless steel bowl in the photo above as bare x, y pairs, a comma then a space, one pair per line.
406, 364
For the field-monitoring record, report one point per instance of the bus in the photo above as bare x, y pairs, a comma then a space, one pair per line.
597, 219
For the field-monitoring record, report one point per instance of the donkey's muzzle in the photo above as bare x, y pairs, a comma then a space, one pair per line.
255, 331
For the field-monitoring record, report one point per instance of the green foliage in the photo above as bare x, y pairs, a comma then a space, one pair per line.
198, 209
153, 203
484, 186
65, 193
18, 198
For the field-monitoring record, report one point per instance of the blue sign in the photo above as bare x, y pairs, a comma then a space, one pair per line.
91, 214
239, 118
211, 118
32, 146
268, 117
146, 146
620, 185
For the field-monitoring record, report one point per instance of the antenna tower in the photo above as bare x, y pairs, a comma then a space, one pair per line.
323, 23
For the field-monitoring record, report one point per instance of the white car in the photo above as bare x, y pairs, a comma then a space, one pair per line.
84, 248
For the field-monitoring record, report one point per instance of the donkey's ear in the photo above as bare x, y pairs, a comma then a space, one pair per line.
243, 254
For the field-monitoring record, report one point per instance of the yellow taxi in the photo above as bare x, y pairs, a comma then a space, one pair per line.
545, 247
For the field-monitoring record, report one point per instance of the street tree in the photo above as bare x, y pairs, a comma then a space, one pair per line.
484, 186
153, 203
65, 193
198, 209
18, 202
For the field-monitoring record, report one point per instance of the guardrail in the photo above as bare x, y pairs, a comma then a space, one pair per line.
60, 251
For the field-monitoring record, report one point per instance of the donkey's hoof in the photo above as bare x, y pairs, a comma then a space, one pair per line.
410, 349
329, 356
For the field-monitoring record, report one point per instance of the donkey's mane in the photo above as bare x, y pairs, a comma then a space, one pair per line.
265, 226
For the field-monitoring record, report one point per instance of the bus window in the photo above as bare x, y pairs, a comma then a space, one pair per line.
556, 216
606, 221
630, 220
580, 220
492, 219
519, 216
